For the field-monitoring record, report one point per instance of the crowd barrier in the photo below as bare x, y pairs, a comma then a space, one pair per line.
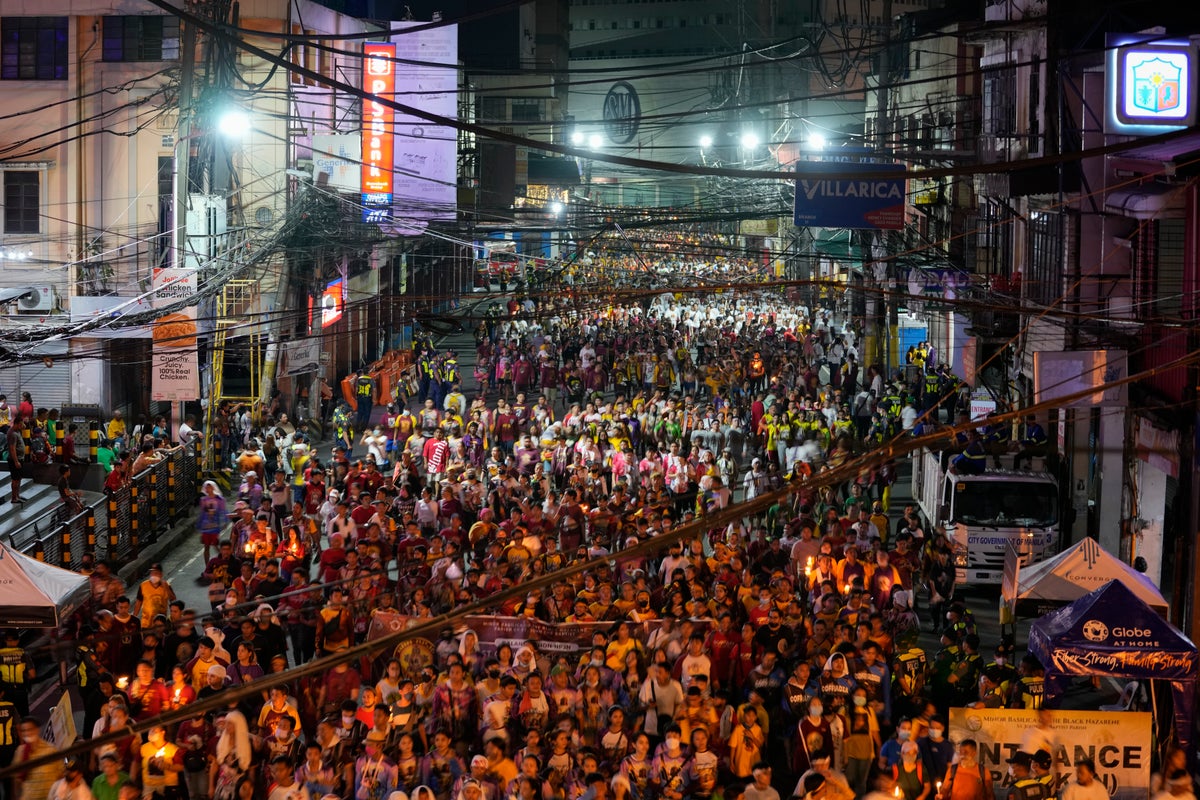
116, 526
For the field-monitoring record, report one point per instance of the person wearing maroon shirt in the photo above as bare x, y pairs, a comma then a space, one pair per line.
504, 428
148, 695
25, 408
314, 490
720, 647
127, 639
363, 512
332, 559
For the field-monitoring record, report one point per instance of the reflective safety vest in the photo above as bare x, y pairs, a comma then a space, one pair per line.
364, 386
8, 720
12, 666
1032, 690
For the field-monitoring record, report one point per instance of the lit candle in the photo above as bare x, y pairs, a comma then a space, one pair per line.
162, 751
897, 792
122, 682
177, 691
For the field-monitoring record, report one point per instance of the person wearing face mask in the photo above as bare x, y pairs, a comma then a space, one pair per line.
154, 596
910, 776
861, 746
936, 751
889, 753
966, 779
667, 768
813, 736
373, 774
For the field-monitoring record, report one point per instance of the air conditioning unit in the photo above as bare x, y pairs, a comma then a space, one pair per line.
37, 299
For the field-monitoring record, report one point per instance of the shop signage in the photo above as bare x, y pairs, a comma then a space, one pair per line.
378, 130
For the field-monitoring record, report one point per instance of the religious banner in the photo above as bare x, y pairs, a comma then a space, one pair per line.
1118, 741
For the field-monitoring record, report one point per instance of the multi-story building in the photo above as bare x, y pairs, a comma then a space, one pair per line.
92, 198
932, 120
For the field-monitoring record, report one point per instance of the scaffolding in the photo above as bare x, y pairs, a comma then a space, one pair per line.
236, 305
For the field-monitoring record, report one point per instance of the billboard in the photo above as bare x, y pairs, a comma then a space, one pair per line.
426, 179
823, 201
378, 130
1120, 743
175, 363
1060, 375
333, 302
337, 161
1150, 84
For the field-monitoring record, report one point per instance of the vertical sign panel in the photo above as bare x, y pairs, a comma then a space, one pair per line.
378, 130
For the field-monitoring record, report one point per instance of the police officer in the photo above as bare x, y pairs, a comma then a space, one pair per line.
1042, 762
1024, 785
424, 375
449, 372
1031, 685
16, 671
973, 459
364, 397
8, 728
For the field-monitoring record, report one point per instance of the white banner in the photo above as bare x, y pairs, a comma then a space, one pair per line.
302, 356
60, 728
1118, 741
175, 368
171, 284
337, 162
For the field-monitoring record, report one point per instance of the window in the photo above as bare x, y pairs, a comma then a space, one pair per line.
142, 38
22, 201
1000, 102
526, 109
33, 48
1044, 284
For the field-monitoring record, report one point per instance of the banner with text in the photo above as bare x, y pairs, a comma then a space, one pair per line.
1118, 741
302, 356
175, 366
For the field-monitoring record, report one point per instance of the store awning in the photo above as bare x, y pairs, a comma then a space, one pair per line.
553, 171
1164, 157
1148, 201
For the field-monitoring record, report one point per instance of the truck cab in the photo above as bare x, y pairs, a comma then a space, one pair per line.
984, 513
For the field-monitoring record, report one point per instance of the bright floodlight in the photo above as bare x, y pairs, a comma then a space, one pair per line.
556, 208
817, 141
233, 124
595, 141
705, 142
749, 140
577, 138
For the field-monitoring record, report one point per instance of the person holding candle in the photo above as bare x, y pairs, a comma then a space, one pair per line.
162, 762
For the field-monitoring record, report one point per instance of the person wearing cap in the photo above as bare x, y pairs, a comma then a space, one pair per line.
373, 774
1024, 786
909, 774
71, 786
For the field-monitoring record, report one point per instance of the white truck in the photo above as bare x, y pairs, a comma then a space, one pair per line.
984, 513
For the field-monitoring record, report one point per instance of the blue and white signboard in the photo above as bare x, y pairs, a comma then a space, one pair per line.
1151, 85
825, 201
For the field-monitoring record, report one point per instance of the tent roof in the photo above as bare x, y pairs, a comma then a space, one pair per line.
1111, 631
34, 594
1080, 569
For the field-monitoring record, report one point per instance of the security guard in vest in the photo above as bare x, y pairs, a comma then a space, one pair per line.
8, 729
449, 373
932, 387
16, 671
1031, 686
1024, 785
364, 397
424, 375
1042, 762
342, 428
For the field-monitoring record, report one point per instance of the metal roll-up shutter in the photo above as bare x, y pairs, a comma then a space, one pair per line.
49, 386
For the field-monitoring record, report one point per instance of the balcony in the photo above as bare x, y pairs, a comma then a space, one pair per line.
1014, 10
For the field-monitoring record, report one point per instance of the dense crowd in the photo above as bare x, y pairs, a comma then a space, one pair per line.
773, 656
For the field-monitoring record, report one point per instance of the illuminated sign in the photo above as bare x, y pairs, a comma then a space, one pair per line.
1151, 87
378, 130
333, 302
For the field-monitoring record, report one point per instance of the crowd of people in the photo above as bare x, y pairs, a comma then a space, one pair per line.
772, 657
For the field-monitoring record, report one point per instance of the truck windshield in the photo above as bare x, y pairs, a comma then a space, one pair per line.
1003, 504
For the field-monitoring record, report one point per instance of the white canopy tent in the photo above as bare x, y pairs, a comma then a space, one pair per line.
1073, 573
37, 595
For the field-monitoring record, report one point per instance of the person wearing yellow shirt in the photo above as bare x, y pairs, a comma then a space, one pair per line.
115, 431
154, 597
162, 761
620, 647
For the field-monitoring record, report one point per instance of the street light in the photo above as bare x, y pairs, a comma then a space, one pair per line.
706, 142
595, 141
749, 140
577, 138
556, 208
817, 141
233, 124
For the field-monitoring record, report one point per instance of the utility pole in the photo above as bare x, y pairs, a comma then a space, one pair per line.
182, 182
883, 301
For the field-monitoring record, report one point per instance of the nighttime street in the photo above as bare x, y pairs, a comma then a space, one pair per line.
599, 400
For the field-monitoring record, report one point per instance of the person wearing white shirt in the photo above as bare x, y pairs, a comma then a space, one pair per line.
1177, 786
1085, 785
663, 695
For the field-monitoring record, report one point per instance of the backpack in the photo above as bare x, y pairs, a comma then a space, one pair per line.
983, 783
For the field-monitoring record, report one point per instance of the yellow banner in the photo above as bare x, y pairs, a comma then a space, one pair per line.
1118, 741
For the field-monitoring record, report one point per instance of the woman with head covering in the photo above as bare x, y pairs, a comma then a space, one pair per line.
213, 516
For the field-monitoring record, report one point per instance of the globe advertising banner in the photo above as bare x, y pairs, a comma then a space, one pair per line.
1118, 741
